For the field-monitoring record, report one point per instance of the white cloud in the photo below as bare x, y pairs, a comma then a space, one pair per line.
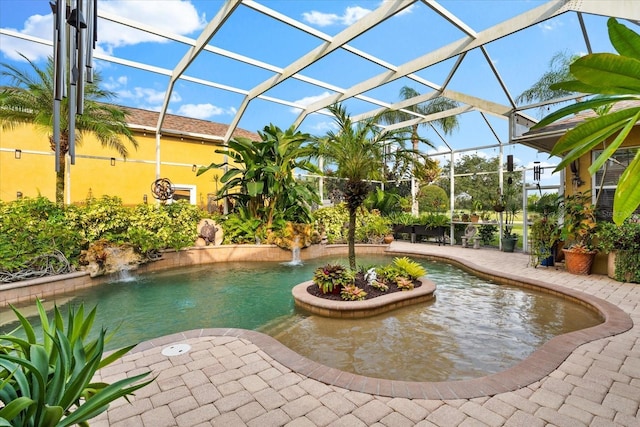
550, 25
308, 100
40, 26
321, 19
203, 111
174, 16
350, 16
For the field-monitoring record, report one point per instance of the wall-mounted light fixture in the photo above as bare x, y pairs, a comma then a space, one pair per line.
144, 199
194, 168
19, 195
113, 161
18, 154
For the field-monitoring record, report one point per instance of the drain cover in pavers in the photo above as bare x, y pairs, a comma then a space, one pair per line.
176, 349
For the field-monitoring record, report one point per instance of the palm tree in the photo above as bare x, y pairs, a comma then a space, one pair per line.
358, 152
30, 101
558, 71
437, 105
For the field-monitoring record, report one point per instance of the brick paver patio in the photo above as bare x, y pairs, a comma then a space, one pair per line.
233, 377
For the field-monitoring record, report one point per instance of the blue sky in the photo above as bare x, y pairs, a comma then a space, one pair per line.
520, 59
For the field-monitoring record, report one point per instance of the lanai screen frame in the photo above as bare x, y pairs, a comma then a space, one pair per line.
622, 9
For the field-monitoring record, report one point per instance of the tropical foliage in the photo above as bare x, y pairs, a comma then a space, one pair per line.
614, 78
30, 101
260, 175
49, 382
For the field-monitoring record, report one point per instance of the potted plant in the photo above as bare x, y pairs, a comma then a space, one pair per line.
477, 211
622, 243
511, 209
544, 236
545, 231
498, 203
578, 230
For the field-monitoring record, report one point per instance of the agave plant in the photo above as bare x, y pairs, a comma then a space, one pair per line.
48, 383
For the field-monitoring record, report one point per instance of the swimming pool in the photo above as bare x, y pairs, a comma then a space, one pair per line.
472, 328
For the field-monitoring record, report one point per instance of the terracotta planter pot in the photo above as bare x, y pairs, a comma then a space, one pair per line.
578, 262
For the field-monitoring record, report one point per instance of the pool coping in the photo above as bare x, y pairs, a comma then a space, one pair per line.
538, 365
365, 308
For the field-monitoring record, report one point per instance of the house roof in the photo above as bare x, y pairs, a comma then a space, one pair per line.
186, 127
543, 139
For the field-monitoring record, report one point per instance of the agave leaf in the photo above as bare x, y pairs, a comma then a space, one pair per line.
24, 345
613, 147
81, 375
14, 408
627, 196
44, 321
51, 416
26, 325
31, 390
114, 356
62, 368
87, 324
21, 379
99, 402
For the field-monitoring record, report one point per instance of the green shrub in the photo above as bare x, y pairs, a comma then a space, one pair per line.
333, 221
36, 234
32, 229
432, 198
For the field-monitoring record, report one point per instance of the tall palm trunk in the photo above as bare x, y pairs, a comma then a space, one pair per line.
354, 194
64, 148
351, 238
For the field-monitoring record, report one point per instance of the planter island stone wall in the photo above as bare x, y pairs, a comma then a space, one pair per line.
365, 308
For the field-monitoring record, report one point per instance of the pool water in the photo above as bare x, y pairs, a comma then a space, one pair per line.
472, 328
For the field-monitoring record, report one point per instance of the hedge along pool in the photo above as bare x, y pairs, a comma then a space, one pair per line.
471, 329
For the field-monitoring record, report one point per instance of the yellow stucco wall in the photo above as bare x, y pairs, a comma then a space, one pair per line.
34, 174
632, 140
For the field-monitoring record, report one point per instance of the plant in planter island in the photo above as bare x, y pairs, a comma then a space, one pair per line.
332, 278
578, 231
622, 243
